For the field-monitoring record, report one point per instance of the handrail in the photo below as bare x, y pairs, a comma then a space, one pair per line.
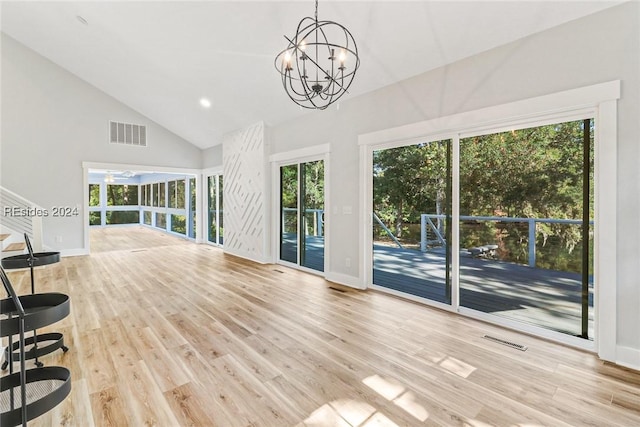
426, 218
19, 197
424, 221
384, 227
318, 219
512, 219
30, 224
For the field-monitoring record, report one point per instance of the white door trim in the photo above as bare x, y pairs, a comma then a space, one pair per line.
599, 101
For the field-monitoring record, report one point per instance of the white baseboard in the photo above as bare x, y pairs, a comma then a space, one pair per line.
63, 252
73, 252
345, 279
250, 257
628, 357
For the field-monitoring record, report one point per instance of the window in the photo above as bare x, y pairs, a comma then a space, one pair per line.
122, 195
179, 224
154, 195
95, 218
122, 217
214, 193
172, 194
176, 194
149, 198
162, 195
168, 205
161, 220
143, 195
180, 194
192, 207
94, 194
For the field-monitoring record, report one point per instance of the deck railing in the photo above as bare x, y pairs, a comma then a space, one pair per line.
426, 223
386, 230
317, 223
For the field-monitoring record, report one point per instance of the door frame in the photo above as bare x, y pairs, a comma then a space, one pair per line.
206, 173
309, 154
86, 166
598, 101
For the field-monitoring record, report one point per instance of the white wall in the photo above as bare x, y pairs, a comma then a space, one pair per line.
598, 48
212, 157
52, 121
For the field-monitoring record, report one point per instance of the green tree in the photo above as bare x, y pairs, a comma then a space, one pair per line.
409, 181
532, 173
94, 194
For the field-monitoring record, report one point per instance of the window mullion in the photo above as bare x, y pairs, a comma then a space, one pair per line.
455, 223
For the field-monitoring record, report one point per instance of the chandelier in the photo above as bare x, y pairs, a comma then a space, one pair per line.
319, 64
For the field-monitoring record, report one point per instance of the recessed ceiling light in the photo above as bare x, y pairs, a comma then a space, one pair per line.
205, 102
82, 20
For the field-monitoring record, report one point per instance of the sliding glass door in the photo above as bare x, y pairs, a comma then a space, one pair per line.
526, 209
192, 208
302, 214
412, 220
523, 230
215, 192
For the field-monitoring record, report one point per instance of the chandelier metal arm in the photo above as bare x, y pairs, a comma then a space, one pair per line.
327, 75
304, 56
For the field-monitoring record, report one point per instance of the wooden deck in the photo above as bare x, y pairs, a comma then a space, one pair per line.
551, 299
546, 298
314, 251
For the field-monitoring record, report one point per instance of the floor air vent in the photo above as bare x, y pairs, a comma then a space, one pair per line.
337, 289
507, 343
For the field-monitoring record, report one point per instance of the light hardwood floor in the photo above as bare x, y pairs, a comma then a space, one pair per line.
183, 334
135, 237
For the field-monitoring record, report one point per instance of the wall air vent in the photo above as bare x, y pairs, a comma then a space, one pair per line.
128, 134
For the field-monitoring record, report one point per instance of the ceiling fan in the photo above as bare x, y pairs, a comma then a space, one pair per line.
110, 176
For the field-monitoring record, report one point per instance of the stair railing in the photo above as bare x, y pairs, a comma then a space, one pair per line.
20, 215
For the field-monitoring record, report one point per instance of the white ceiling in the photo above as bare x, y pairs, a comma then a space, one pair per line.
161, 57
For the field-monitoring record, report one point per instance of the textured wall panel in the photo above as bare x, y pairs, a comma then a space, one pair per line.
244, 159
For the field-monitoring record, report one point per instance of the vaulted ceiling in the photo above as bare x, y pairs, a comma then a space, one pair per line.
161, 57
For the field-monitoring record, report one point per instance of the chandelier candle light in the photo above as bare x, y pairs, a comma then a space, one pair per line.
319, 64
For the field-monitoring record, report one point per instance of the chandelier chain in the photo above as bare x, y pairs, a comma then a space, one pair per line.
316, 34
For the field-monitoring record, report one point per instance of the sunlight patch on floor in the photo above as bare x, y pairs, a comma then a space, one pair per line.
347, 413
476, 423
353, 411
385, 387
396, 392
435, 357
408, 402
457, 367
447, 362
379, 420
325, 416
